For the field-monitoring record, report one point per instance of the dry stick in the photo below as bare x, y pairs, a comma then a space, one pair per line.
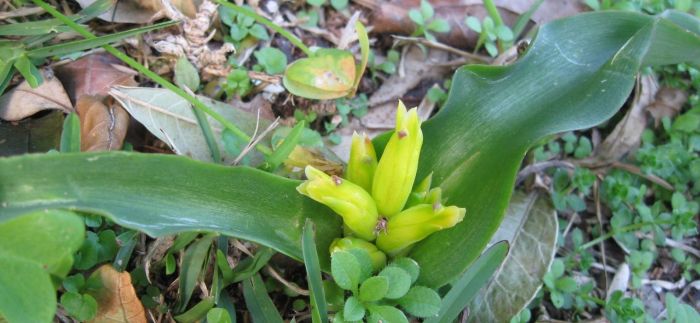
441, 46
598, 214
248, 148
285, 282
541, 166
255, 133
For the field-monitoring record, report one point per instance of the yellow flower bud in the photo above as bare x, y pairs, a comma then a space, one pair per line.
362, 163
351, 202
415, 224
419, 192
396, 171
345, 244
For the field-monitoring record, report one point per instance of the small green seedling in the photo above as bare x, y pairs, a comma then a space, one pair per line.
489, 33
425, 24
237, 83
241, 26
271, 60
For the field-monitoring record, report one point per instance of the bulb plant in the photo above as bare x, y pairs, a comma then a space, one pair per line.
376, 199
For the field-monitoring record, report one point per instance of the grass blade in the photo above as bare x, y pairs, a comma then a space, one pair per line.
33, 28
524, 19
70, 137
260, 306
319, 309
67, 48
464, 290
282, 152
192, 265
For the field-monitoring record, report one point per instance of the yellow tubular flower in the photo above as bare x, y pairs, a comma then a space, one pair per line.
415, 224
345, 244
396, 171
362, 163
351, 202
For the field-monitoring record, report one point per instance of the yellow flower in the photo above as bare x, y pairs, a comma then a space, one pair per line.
396, 171
351, 202
415, 224
362, 163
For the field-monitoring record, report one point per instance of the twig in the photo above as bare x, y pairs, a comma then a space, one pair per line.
540, 167
290, 285
248, 148
21, 12
635, 170
441, 46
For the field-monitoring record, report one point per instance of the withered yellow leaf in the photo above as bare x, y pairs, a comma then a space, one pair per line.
116, 299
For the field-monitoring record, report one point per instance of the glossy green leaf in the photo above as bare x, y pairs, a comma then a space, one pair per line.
191, 269
328, 74
260, 306
353, 309
197, 312
399, 281
385, 313
421, 301
78, 45
313, 272
374, 289
70, 137
464, 289
30, 73
32, 248
577, 73
165, 194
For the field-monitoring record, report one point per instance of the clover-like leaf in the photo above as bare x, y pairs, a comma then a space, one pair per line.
421, 301
374, 288
345, 269
399, 281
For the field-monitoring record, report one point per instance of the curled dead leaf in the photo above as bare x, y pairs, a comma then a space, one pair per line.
94, 75
116, 300
24, 101
102, 126
668, 103
141, 11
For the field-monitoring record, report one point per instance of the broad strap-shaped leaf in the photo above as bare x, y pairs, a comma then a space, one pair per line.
165, 194
577, 73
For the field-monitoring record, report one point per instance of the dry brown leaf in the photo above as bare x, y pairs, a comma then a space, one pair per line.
94, 75
23, 101
669, 102
392, 16
141, 11
116, 300
102, 126
628, 132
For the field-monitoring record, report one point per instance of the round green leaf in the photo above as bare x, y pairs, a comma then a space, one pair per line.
409, 265
186, 75
421, 302
504, 33
474, 24
386, 314
440, 26
27, 292
353, 309
399, 281
329, 74
272, 59
416, 16
345, 269
259, 32
374, 289
81, 307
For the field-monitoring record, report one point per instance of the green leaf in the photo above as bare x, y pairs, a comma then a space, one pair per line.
30, 73
566, 285
339, 4
575, 75
33, 247
260, 306
282, 152
464, 289
426, 10
81, 307
353, 309
474, 24
439, 26
32, 28
384, 313
363, 39
218, 315
421, 302
345, 269
409, 265
208, 197
70, 137
197, 312
374, 289
313, 271
191, 268
186, 75
316, 3
272, 59
79, 45
530, 226
259, 32
399, 281
416, 16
